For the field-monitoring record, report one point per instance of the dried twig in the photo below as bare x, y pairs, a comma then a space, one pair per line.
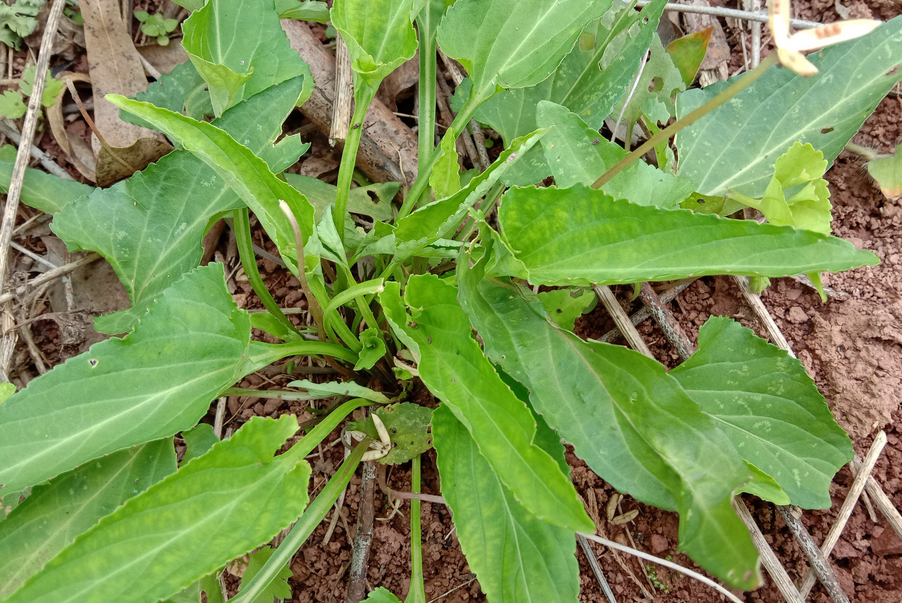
8, 344
669, 564
623, 321
820, 564
884, 504
49, 276
848, 505
387, 490
768, 558
717, 11
767, 321
596, 569
478, 137
668, 323
344, 95
8, 129
644, 314
363, 536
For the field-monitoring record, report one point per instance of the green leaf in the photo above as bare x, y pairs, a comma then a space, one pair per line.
247, 174
589, 80
198, 441
769, 407
764, 487
445, 177
278, 589
182, 90
579, 236
6, 391
373, 349
153, 383
11, 105
52, 86
887, 171
360, 201
240, 49
55, 513
171, 535
578, 154
516, 555
659, 82
308, 10
564, 306
152, 243
513, 44
381, 595
208, 585
454, 369
735, 146
688, 52
379, 35
439, 219
810, 207
334, 388
408, 430
191, 5
626, 417
40, 190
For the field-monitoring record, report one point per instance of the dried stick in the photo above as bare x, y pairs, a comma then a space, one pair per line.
49, 276
717, 11
820, 563
848, 505
220, 415
464, 135
669, 564
596, 569
8, 224
884, 504
341, 107
363, 536
387, 490
8, 129
644, 314
767, 321
768, 559
623, 321
668, 323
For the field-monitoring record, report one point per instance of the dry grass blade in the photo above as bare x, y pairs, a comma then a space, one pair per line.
8, 344
768, 558
341, 108
596, 569
848, 505
621, 319
669, 564
884, 504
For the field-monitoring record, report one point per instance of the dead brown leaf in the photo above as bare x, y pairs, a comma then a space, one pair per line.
115, 68
400, 83
69, 39
80, 155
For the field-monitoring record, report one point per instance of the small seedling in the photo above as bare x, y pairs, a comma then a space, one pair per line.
156, 26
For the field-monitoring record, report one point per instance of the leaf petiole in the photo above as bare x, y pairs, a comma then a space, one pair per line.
363, 96
417, 592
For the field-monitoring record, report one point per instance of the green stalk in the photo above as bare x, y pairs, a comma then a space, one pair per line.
325, 427
491, 199
276, 351
426, 117
304, 526
689, 119
425, 167
363, 96
241, 225
417, 592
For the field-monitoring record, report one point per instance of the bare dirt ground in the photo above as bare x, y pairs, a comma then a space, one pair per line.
852, 347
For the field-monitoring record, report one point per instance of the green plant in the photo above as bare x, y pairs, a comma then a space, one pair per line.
18, 20
399, 301
156, 26
12, 105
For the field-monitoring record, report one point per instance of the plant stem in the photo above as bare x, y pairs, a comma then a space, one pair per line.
425, 167
276, 351
417, 592
426, 91
689, 119
241, 226
312, 303
363, 96
305, 525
